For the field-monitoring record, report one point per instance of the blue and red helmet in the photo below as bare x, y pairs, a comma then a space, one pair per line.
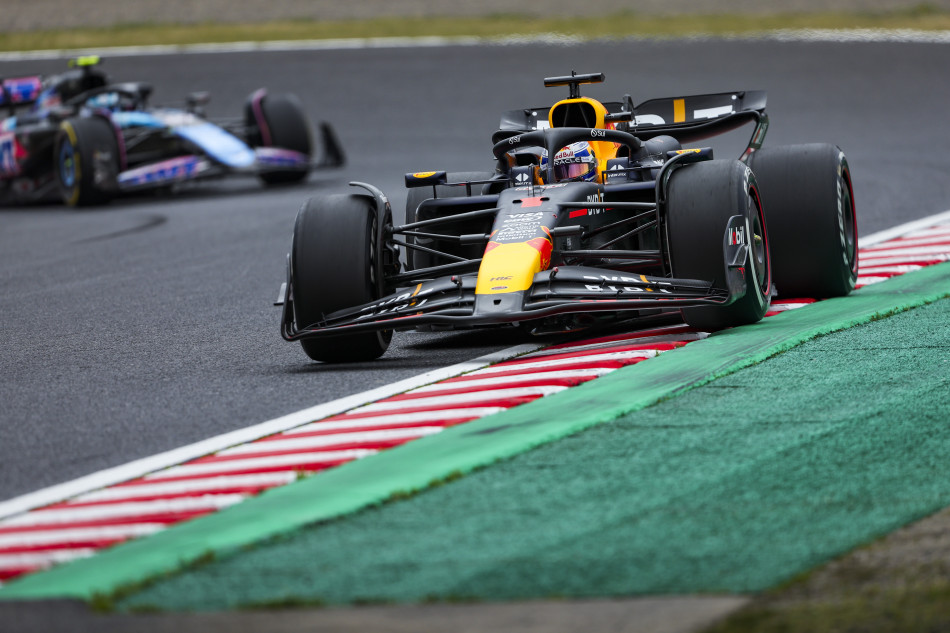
574, 162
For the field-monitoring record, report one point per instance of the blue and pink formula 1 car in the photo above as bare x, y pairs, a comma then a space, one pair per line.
78, 137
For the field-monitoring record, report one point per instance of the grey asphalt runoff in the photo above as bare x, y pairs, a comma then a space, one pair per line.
146, 325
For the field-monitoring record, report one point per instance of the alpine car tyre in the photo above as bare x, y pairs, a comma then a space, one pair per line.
86, 161
334, 266
287, 127
416, 196
807, 194
701, 199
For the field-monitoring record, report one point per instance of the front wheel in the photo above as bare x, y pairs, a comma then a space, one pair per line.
86, 161
701, 199
807, 193
334, 265
279, 121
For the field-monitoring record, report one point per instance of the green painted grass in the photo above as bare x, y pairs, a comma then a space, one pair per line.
620, 25
735, 486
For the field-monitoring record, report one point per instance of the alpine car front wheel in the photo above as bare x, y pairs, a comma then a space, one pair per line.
807, 193
701, 200
86, 161
279, 121
334, 265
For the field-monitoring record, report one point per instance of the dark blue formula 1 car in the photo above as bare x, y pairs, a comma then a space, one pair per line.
78, 137
594, 212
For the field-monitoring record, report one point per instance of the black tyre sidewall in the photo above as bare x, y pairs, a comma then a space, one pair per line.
701, 198
809, 200
289, 129
94, 147
333, 266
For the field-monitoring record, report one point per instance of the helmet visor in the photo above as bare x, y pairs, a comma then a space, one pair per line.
570, 171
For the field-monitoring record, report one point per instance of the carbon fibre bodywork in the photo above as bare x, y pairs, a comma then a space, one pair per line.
520, 247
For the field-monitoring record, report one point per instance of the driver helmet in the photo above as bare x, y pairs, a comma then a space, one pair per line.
574, 162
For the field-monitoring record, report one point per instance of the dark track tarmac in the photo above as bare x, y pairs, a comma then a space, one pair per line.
146, 325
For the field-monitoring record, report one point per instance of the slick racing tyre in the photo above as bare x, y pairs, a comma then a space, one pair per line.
333, 265
279, 121
806, 191
701, 198
416, 196
86, 161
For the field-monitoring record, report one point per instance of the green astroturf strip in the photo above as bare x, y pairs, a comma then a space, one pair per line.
670, 498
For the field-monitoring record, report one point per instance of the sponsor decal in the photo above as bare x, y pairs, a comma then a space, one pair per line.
611, 283
175, 169
522, 179
519, 228
689, 151
505, 278
423, 174
737, 236
598, 133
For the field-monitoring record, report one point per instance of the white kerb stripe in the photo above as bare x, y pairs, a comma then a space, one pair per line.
319, 441
168, 488
45, 538
121, 510
456, 399
592, 358
43, 559
284, 461
593, 372
650, 340
395, 419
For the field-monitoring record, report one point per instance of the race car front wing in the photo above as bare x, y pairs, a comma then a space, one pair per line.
452, 302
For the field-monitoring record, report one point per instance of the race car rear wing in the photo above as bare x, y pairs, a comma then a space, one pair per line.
19, 91
687, 119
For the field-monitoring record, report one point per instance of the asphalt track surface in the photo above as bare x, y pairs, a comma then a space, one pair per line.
147, 325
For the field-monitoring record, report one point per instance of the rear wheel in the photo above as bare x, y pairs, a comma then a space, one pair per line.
86, 161
701, 200
334, 265
279, 121
416, 196
806, 190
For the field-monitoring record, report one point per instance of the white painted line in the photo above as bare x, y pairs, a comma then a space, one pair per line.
140, 467
288, 462
460, 398
46, 538
292, 443
122, 510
